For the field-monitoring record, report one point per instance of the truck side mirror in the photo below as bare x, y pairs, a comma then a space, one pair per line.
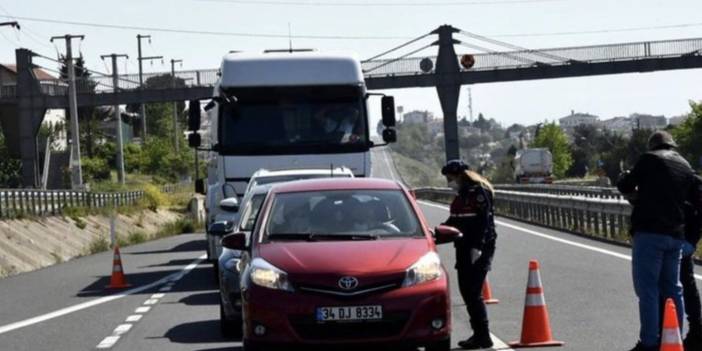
194, 115
389, 135
388, 108
194, 140
200, 186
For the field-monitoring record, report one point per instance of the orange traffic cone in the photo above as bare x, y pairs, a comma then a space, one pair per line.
536, 328
670, 337
487, 294
118, 280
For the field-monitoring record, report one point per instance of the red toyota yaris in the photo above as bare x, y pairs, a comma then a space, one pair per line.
343, 262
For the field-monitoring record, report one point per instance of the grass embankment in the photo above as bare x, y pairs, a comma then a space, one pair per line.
415, 173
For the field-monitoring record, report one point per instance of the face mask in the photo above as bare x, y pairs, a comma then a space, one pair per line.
453, 185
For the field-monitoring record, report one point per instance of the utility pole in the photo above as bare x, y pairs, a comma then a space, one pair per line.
141, 59
117, 116
175, 106
470, 104
76, 171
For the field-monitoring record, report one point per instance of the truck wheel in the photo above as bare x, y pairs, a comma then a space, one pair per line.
443, 345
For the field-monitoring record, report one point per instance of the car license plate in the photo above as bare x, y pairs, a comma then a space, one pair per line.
349, 313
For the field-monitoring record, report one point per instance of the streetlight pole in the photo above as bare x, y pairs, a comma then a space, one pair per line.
141, 59
118, 117
76, 171
175, 106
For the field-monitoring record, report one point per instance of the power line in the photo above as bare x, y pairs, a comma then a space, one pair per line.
381, 4
597, 31
198, 32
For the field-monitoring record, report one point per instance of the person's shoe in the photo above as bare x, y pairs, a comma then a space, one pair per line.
693, 342
476, 342
640, 347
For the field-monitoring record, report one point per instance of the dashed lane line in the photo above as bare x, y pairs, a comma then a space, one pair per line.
153, 300
554, 238
92, 303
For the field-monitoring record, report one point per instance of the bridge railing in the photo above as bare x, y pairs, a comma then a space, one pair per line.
569, 190
554, 56
603, 218
30, 202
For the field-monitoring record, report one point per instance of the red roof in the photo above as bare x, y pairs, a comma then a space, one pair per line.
38, 72
336, 184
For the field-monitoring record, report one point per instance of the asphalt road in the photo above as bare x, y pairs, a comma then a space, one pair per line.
66, 307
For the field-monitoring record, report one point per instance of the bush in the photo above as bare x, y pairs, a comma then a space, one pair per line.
153, 198
95, 169
99, 244
137, 237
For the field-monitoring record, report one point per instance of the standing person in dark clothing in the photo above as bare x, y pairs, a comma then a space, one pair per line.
658, 187
693, 230
472, 213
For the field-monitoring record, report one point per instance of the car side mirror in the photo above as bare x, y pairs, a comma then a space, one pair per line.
221, 228
194, 140
446, 234
200, 186
389, 136
194, 115
235, 241
230, 204
388, 107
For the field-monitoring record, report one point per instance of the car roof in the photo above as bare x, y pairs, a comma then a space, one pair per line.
307, 171
335, 184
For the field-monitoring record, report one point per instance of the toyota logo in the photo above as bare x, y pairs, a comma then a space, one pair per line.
348, 283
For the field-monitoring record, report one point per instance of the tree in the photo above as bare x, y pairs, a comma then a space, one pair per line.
613, 153
10, 168
159, 116
688, 135
552, 137
583, 149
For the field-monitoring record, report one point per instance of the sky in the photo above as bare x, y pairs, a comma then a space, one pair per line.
379, 25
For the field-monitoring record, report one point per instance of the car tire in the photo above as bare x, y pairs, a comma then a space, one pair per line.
215, 271
249, 346
443, 345
230, 329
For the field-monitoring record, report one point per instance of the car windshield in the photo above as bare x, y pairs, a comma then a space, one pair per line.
341, 214
251, 213
294, 120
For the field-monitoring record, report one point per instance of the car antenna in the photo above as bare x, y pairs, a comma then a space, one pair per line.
290, 37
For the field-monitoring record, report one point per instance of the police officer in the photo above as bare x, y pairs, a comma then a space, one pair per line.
693, 228
472, 213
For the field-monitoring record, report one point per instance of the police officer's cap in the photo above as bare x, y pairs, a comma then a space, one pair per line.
661, 139
454, 167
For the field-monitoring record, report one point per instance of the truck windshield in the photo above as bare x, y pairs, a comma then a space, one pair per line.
294, 120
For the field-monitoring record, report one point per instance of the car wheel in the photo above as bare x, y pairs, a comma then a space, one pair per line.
249, 346
230, 329
443, 345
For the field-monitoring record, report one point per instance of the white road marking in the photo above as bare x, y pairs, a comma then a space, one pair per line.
553, 238
121, 329
151, 302
158, 296
390, 168
81, 306
133, 318
142, 309
108, 342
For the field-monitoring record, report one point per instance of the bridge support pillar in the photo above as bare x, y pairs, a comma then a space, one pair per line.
30, 114
448, 86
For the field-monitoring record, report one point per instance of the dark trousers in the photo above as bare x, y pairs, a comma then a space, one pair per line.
693, 309
471, 278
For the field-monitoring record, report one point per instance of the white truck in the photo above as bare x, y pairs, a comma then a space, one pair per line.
285, 110
533, 166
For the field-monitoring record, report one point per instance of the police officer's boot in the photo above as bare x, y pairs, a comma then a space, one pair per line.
693, 340
480, 339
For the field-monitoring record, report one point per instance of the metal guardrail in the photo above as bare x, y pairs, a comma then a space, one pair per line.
571, 190
598, 217
31, 202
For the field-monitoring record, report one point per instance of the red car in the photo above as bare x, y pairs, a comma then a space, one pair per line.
343, 262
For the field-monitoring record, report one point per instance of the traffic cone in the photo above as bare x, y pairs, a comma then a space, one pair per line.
118, 280
536, 328
670, 337
487, 294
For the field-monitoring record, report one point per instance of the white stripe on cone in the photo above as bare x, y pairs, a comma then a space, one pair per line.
671, 337
534, 300
534, 279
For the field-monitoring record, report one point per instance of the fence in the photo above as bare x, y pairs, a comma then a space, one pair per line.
599, 217
30, 202
566, 190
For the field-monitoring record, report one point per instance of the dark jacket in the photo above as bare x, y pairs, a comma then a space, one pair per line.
472, 213
662, 181
693, 214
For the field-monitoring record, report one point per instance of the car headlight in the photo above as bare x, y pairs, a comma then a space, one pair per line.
232, 265
426, 269
268, 276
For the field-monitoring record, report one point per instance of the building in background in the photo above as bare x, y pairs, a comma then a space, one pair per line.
578, 119
676, 121
618, 125
644, 121
418, 117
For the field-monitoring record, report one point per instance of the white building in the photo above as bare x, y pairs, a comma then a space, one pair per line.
676, 121
418, 117
619, 125
643, 121
578, 119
